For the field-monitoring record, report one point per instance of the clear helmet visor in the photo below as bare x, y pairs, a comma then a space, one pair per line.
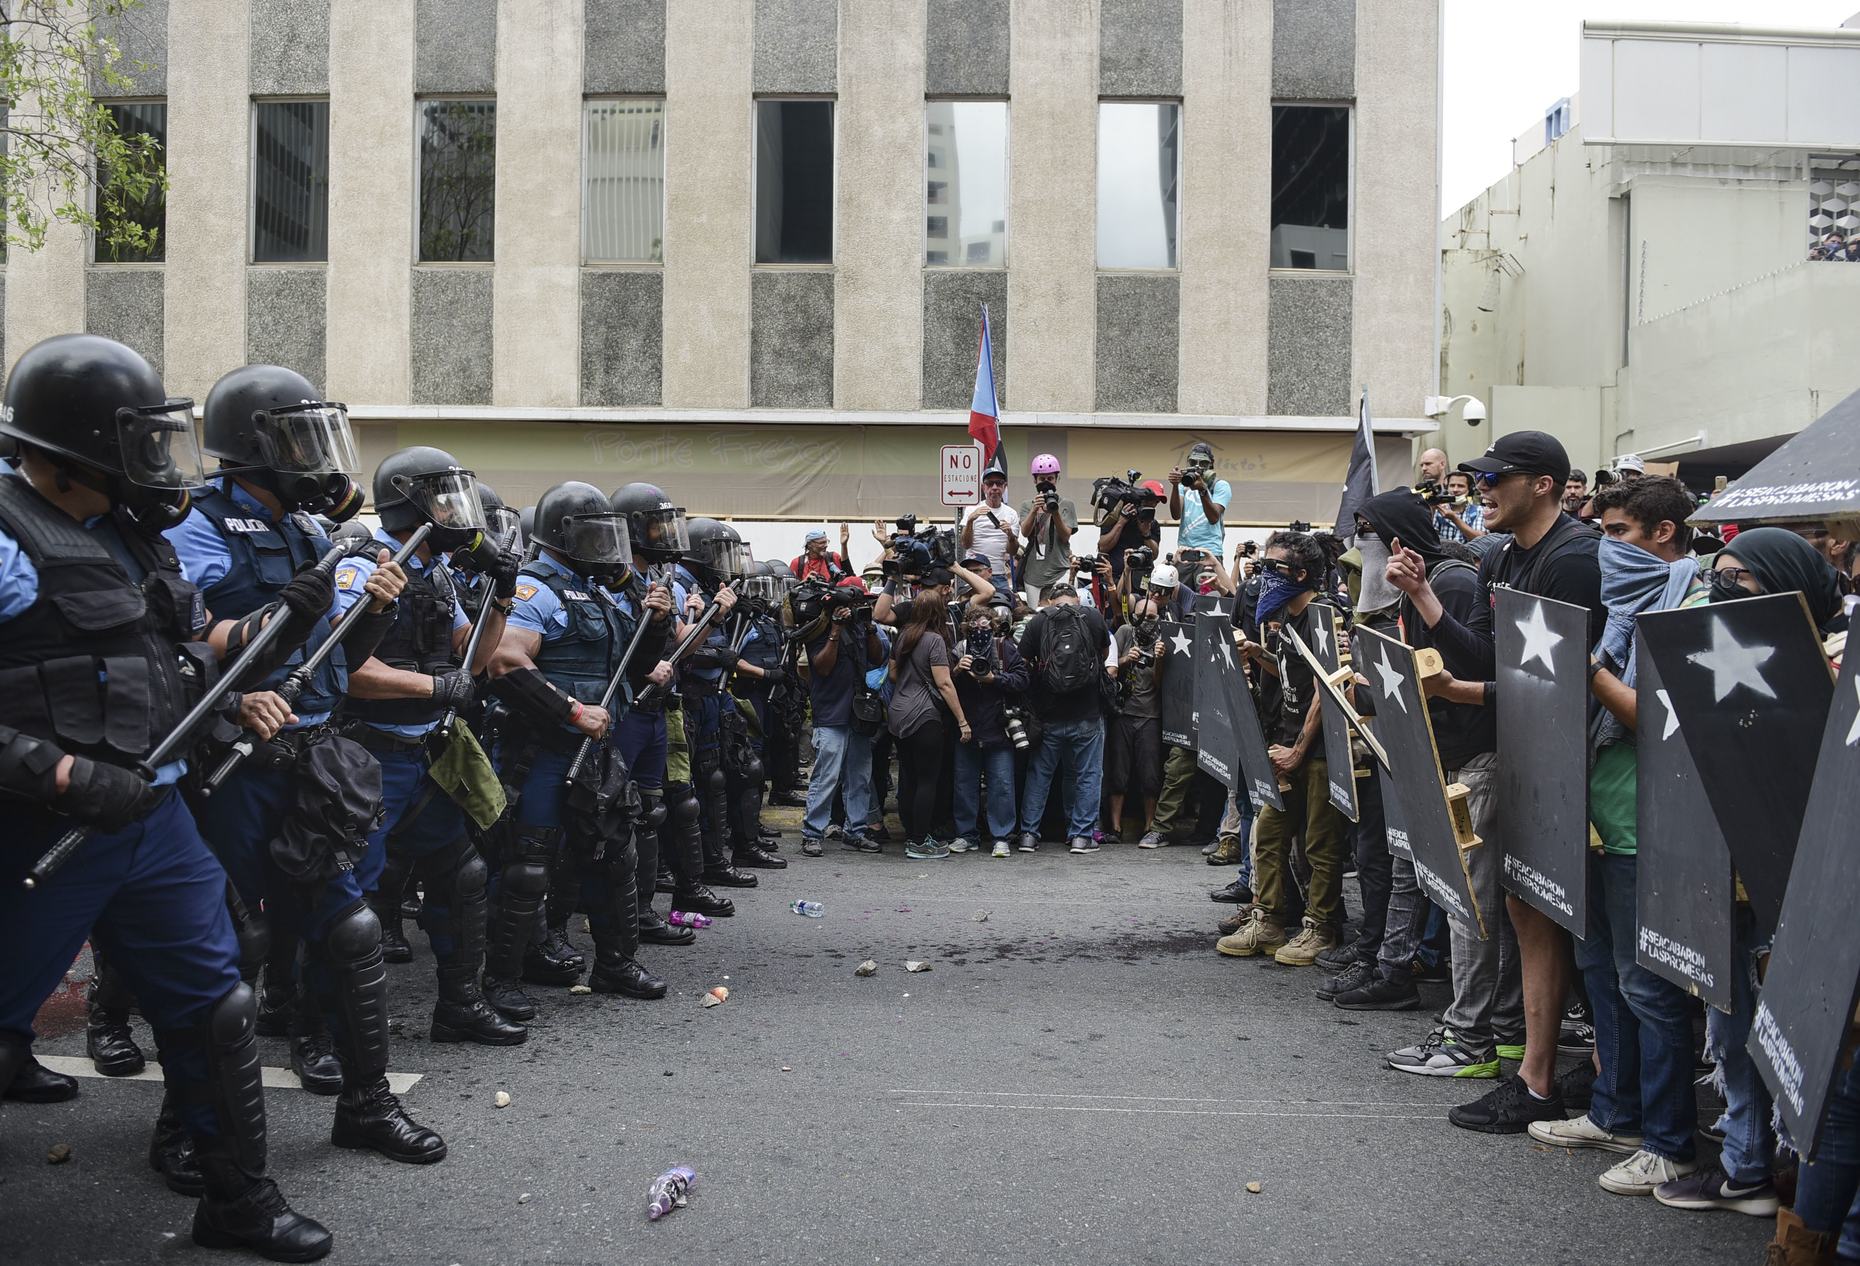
664, 532
159, 448
767, 588
308, 439
728, 559
504, 526
597, 540
448, 498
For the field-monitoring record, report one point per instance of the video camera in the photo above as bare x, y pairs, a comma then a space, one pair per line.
1298, 525
812, 603
917, 547
1110, 492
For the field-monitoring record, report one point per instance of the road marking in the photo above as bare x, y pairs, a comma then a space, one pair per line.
273, 1078
1177, 1112
1302, 1103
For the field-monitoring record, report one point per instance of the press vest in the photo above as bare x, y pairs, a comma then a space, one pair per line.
93, 664
265, 555
420, 641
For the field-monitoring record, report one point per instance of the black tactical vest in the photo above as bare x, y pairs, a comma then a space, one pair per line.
420, 641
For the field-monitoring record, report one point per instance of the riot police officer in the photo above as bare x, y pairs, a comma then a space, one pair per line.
290, 824
93, 605
716, 558
404, 706
562, 645
746, 727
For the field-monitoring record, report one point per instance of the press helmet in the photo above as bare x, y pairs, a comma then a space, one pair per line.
1045, 464
1164, 576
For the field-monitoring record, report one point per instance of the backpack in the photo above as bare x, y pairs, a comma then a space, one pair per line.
1068, 661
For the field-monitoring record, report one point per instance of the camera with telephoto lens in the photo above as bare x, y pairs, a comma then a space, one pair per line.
981, 650
1139, 561
1014, 722
1049, 494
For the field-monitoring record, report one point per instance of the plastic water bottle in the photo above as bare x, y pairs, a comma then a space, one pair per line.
669, 1191
682, 919
812, 909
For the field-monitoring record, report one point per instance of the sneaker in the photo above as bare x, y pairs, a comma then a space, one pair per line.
1207, 850
1582, 1132
878, 831
1513, 1051
1084, 844
836, 832
1711, 1188
1029, 842
1644, 1173
926, 851
1443, 1055
1354, 976
1152, 839
1228, 850
1577, 1036
860, 844
1577, 1085
960, 844
1260, 935
1379, 993
1001, 849
1302, 950
1339, 957
811, 846
1508, 1108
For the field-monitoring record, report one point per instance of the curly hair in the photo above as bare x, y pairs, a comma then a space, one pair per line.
1302, 550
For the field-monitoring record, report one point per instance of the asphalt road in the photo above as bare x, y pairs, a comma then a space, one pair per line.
1080, 1078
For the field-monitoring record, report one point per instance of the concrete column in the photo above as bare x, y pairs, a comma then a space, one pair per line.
536, 286
370, 279
878, 316
1397, 192
1052, 203
209, 192
708, 58
1226, 204
44, 292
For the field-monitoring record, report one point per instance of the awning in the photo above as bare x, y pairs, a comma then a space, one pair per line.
1815, 475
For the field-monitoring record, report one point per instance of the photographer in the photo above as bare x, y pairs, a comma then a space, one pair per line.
1134, 756
921, 679
1458, 516
1051, 520
815, 563
993, 529
990, 674
1134, 527
1201, 512
1066, 644
1203, 576
911, 576
842, 643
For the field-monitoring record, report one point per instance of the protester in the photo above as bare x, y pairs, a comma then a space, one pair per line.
992, 529
1065, 645
990, 674
815, 563
1200, 510
1050, 520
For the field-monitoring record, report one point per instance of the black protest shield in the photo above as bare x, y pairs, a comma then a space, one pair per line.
1216, 749
1178, 684
1414, 795
1751, 689
1683, 885
1325, 644
1813, 980
1543, 749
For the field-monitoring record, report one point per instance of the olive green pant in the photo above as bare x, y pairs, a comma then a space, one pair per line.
1326, 848
1175, 816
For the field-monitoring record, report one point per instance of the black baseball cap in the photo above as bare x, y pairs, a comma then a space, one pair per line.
1529, 452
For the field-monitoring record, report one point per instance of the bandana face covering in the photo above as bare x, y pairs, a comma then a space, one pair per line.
1274, 594
1377, 593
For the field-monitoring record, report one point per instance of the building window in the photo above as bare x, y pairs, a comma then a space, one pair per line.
134, 120
1139, 169
1311, 187
794, 182
458, 178
290, 181
965, 144
623, 181
1834, 208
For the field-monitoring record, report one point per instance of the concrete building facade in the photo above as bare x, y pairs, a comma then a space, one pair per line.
1650, 277
606, 238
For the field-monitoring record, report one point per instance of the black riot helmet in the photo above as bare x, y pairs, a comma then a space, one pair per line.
427, 485
99, 410
269, 425
502, 524
576, 521
526, 520
717, 554
659, 529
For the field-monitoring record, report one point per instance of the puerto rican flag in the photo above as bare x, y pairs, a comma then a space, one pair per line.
984, 410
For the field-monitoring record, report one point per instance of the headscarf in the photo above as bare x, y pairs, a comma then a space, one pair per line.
1634, 581
1395, 516
1785, 563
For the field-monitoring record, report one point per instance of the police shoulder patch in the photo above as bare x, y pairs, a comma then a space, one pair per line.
526, 591
345, 578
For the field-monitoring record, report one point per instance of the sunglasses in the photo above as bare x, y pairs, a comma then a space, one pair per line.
1279, 567
1491, 479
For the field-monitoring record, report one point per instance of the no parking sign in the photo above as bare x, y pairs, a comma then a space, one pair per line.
961, 474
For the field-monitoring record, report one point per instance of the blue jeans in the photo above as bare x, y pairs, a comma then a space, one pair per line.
1643, 1022
1077, 749
1749, 1154
841, 754
1825, 1190
972, 764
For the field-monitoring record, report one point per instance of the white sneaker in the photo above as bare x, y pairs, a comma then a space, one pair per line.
1640, 1173
1001, 848
1582, 1132
960, 845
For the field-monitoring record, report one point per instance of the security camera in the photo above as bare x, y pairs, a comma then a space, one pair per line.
1474, 412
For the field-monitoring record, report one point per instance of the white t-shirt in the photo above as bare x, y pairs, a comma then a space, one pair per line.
988, 538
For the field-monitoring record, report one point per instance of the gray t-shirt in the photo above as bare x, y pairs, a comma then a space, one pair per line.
914, 695
1043, 555
1143, 699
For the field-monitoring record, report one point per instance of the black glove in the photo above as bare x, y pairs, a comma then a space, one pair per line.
504, 574
308, 594
107, 796
454, 691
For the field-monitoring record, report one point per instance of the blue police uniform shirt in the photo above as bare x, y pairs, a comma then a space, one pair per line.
534, 607
351, 581
19, 589
205, 560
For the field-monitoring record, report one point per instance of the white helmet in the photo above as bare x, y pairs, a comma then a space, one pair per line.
1163, 576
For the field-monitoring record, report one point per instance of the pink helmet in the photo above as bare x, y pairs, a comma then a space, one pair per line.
1046, 464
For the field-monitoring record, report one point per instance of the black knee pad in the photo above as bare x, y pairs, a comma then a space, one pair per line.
714, 782
681, 804
234, 1016
525, 879
354, 934
457, 868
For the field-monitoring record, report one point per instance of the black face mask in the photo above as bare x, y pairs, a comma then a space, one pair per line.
1724, 589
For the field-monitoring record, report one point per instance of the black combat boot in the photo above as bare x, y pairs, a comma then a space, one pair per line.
699, 899
462, 1013
313, 1051
111, 1046
654, 930
171, 1152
